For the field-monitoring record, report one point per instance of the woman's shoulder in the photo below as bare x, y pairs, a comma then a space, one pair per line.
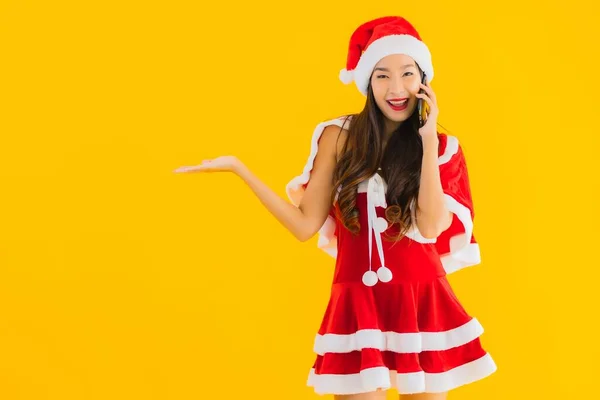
343, 122
336, 130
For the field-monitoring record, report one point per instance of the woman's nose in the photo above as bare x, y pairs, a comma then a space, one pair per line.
397, 86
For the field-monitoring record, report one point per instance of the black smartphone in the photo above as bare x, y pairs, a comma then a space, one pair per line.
422, 105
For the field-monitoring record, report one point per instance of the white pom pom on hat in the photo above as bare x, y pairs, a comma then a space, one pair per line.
346, 76
377, 39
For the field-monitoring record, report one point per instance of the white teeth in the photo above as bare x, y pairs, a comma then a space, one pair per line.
395, 103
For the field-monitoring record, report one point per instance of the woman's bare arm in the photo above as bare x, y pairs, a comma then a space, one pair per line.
305, 220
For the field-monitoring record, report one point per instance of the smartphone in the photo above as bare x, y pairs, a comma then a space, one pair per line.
423, 107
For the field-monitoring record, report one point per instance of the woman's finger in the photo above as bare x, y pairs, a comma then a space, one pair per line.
191, 168
429, 92
426, 98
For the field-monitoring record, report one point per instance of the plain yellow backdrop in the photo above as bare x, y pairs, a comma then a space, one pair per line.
122, 280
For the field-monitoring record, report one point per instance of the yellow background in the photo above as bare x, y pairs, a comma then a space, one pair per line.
122, 280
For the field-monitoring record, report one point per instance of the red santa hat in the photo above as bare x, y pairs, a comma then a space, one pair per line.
377, 39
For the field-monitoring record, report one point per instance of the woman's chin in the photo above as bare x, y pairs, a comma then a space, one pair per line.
397, 116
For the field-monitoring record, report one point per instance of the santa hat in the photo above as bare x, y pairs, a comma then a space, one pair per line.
377, 39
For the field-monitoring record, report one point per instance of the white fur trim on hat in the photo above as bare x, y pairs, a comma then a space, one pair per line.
385, 46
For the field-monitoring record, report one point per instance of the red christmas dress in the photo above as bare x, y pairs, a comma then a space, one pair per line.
392, 320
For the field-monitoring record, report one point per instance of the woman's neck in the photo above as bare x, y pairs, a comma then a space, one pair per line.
390, 127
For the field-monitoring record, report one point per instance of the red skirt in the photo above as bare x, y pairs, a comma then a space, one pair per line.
413, 336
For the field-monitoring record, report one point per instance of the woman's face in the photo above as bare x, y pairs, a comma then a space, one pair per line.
395, 81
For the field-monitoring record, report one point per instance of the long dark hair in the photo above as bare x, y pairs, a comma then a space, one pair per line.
362, 155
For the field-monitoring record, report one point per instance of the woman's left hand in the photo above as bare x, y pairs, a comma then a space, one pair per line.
429, 129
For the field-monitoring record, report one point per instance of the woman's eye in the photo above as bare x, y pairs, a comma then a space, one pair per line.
381, 76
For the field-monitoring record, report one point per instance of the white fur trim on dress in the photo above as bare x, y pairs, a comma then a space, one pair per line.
466, 257
398, 342
451, 149
371, 379
294, 189
387, 45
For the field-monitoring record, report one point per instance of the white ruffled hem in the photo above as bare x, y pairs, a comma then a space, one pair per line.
371, 379
398, 342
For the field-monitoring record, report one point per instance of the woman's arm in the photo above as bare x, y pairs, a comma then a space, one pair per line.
305, 220
433, 217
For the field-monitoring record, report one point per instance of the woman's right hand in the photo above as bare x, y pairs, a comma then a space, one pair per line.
219, 164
